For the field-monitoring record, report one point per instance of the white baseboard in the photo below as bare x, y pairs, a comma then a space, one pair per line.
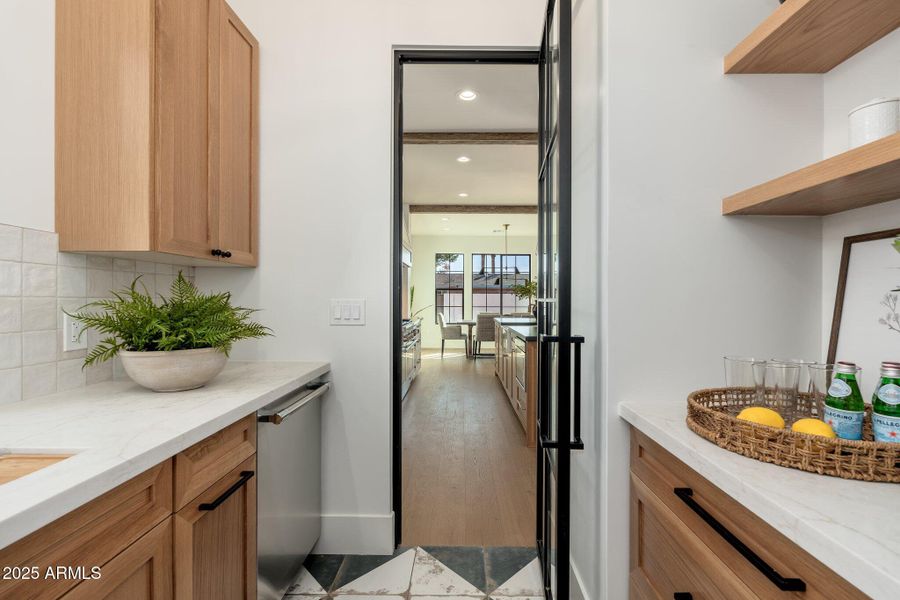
576, 585
356, 534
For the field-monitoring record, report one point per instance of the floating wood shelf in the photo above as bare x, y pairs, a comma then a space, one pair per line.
813, 36
860, 177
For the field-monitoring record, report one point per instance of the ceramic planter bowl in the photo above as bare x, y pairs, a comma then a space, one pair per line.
173, 371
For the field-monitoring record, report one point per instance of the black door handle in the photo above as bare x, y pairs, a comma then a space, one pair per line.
683, 596
577, 443
216, 252
245, 477
226, 254
785, 584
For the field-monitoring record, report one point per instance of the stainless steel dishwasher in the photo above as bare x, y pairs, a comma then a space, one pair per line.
289, 503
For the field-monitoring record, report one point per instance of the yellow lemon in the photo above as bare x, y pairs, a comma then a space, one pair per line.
762, 416
813, 427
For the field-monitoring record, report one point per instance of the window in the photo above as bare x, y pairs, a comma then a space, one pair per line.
493, 279
449, 286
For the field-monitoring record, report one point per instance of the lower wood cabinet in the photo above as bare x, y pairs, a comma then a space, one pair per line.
142, 572
215, 540
201, 548
690, 540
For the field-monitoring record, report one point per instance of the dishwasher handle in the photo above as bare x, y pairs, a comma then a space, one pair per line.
279, 417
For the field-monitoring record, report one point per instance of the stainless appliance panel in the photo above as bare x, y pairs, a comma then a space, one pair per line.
289, 506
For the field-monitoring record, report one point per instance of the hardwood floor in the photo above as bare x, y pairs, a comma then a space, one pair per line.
468, 477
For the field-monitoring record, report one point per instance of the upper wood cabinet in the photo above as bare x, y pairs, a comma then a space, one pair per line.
157, 130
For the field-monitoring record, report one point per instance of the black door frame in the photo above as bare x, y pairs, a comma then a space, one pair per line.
405, 57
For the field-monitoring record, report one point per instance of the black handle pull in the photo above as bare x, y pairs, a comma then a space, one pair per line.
577, 443
683, 596
245, 477
216, 252
226, 254
785, 584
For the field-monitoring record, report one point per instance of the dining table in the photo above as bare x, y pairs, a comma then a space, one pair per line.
470, 338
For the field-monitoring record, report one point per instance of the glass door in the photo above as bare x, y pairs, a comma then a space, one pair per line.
557, 422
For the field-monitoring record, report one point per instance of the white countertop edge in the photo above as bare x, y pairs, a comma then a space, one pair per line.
859, 571
46, 510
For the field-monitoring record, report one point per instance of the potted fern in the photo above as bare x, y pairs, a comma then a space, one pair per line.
181, 343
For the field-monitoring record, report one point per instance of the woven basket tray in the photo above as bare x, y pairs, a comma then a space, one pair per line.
864, 460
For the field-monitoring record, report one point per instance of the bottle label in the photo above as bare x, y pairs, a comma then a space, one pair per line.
839, 388
886, 429
889, 393
847, 424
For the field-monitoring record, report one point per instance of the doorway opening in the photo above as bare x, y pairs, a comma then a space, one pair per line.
466, 259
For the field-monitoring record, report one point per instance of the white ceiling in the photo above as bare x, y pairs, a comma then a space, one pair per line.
497, 174
507, 97
494, 175
490, 225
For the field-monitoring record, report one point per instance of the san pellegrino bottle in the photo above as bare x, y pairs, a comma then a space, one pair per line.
844, 406
886, 404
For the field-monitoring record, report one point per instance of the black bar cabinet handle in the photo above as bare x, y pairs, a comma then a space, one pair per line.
785, 584
245, 477
683, 596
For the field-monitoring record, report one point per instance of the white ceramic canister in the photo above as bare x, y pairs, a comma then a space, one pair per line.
874, 120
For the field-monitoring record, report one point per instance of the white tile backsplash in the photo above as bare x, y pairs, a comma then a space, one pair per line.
36, 283
10, 314
10, 385
38, 313
10, 243
39, 247
38, 347
38, 280
10, 278
10, 350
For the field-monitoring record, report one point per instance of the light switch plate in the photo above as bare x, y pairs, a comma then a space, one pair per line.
348, 311
72, 336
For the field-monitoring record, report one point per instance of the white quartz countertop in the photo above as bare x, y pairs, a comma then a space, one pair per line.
119, 430
850, 526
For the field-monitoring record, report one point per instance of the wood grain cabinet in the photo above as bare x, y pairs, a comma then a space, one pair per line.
157, 130
691, 540
185, 529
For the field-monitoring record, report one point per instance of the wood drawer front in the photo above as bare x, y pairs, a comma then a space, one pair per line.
667, 558
206, 462
143, 571
91, 535
662, 473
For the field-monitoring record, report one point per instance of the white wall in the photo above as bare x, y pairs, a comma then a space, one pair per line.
325, 195
872, 73
26, 129
424, 248
683, 284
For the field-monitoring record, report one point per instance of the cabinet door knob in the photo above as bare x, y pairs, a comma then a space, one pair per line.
226, 254
216, 252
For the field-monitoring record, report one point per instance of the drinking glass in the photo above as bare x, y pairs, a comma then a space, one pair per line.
745, 379
820, 376
805, 376
782, 380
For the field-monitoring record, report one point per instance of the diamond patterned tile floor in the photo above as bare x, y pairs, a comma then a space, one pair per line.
422, 573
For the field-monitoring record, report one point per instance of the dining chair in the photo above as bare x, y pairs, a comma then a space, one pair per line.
484, 330
451, 332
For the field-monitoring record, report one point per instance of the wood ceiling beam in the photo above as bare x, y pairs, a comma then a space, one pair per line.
481, 138
497, 209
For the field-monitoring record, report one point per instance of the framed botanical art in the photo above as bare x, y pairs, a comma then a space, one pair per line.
865, 328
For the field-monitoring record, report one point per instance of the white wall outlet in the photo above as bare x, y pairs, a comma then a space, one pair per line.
348, 311
73, 339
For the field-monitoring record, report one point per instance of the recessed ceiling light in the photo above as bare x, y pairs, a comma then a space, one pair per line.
463, 195
445, 218
467, 95
463, 159
446, 229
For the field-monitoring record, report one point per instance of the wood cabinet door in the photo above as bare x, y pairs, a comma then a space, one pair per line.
183, 127
234, 102
215, 540
143, 571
